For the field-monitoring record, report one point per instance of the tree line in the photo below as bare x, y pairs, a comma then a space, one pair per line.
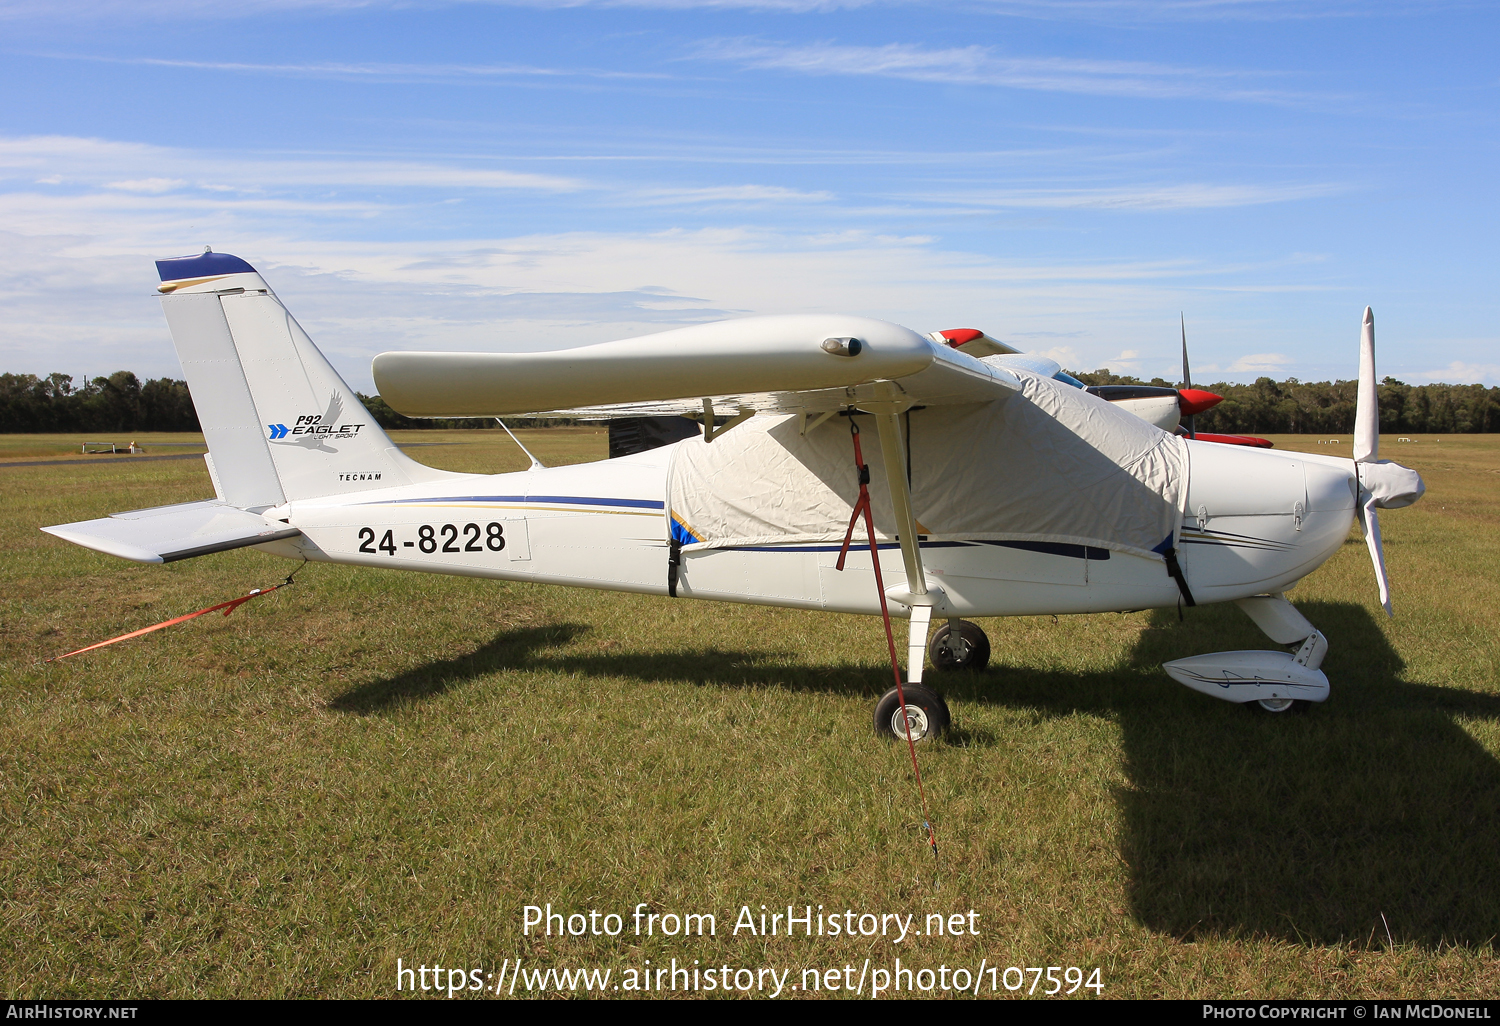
1327, 407
118, 403
122, 403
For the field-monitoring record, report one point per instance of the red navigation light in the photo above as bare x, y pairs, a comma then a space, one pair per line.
958, 336
1193, 401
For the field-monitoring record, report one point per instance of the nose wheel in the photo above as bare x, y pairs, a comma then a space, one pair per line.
1276, 706
959, 645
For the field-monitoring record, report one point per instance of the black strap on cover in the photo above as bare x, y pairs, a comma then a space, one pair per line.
674, 560
1174, 571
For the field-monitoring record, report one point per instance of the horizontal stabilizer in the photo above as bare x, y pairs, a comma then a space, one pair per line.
971, 341
169, 533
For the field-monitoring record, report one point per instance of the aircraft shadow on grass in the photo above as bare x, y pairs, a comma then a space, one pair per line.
1305, 828
1376, 802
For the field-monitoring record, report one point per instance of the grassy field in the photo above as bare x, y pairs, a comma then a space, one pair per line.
373, 765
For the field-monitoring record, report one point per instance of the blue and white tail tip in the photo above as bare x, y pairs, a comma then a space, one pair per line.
207, 272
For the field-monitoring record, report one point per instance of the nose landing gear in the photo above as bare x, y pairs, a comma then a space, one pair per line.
1281, 705
1272, 682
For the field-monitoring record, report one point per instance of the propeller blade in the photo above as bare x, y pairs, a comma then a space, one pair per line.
1382, 484
1367, 405
1187, 375
1371, 524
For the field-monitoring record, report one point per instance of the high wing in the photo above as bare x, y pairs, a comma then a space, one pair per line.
812, 363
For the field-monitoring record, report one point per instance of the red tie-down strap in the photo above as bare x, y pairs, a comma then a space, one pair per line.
862, 508
228, 608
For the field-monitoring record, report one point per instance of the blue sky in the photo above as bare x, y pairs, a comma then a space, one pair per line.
1068, 176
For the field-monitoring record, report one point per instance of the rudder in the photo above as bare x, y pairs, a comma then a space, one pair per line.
280, 423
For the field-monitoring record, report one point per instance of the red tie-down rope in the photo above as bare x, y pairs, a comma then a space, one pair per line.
228, 608
862, 507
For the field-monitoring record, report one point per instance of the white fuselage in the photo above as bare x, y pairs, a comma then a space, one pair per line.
1255, 522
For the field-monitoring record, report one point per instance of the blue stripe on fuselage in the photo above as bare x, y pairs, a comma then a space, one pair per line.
571, 500
1056, 549
1047, 548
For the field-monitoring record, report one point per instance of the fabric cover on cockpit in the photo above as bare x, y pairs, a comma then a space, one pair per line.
1049, 464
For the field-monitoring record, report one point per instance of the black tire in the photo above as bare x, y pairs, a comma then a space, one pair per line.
925, 709
970, 650
1275, 708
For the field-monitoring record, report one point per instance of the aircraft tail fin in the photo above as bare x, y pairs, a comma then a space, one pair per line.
280, 423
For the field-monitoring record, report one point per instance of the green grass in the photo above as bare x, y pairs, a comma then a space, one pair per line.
373, 765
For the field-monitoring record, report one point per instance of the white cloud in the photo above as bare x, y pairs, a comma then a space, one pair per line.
1066, 356
980, 65
100, 162
165, 216
1071, 10
369, 71
143, 184
367, 269
735, 194
1260, 363
81, 292
1460, 372
328, 184
1127, 361
64, 10
1184, 196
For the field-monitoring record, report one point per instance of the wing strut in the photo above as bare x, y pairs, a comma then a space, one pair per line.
862, 508
891, 448
918, 596
536, 464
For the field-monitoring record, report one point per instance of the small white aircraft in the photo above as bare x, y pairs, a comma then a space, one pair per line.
1004, 488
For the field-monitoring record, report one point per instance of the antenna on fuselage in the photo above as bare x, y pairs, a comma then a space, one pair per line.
536, 464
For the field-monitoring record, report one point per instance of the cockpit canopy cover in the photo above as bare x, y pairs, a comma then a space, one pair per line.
1051, 464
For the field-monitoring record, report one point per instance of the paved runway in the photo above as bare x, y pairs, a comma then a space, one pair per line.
125, 460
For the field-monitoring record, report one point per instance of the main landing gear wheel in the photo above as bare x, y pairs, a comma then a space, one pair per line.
1276, 706
926, 713
964, 649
